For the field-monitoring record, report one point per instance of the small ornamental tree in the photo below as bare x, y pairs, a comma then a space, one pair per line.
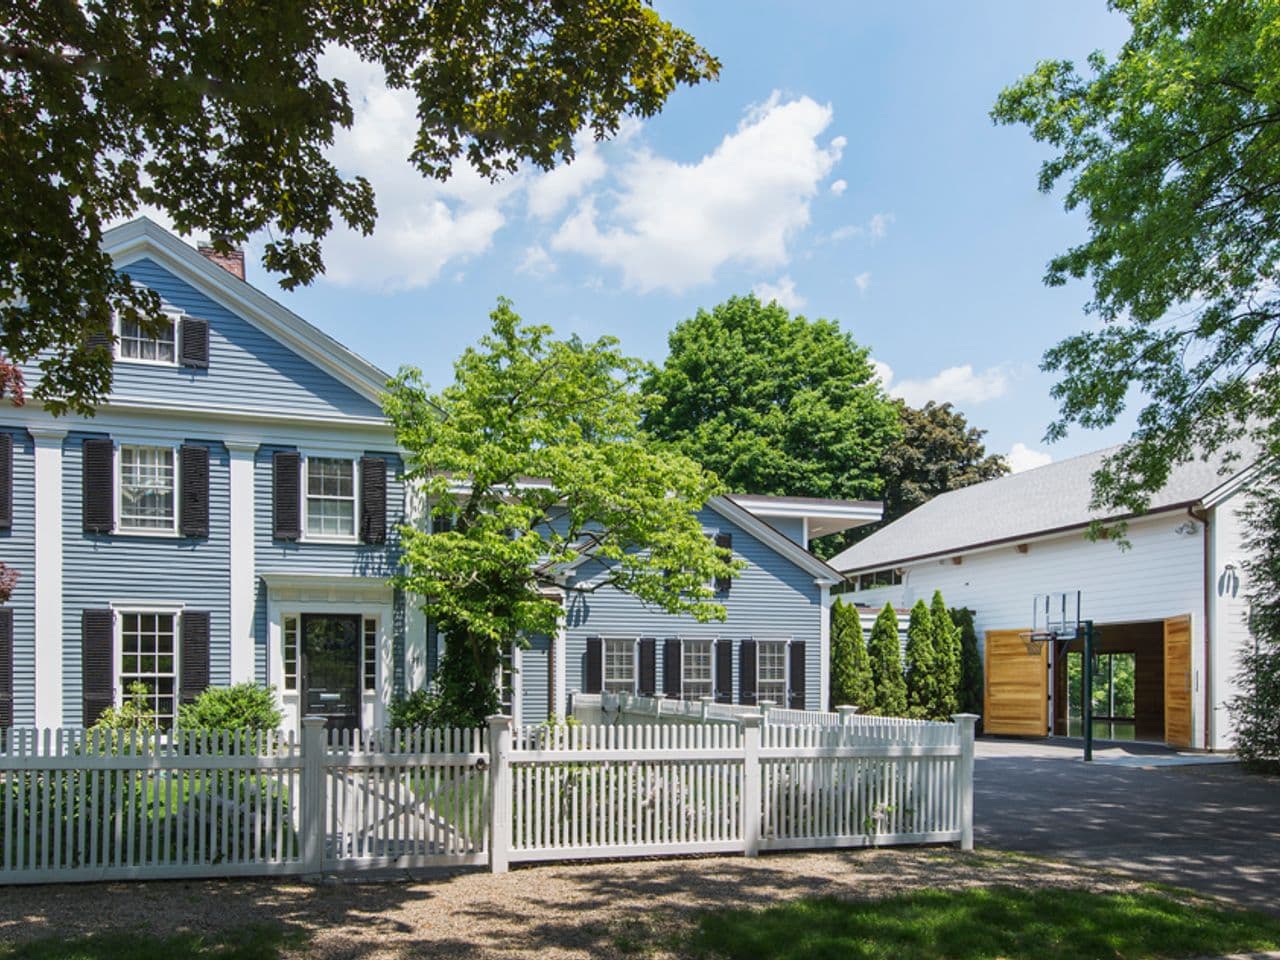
851, 682
535, 457
886, 665
921, 665
946, 654
970, 662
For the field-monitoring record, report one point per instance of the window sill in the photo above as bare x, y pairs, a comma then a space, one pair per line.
331, 541
147, 533
149, 363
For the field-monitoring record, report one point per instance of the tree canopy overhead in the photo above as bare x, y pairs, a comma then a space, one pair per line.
773, 404
1172, 150
218, 114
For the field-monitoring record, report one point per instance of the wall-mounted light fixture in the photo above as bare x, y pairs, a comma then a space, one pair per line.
1187, 528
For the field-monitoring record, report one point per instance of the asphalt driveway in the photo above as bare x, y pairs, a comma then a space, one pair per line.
1206, 826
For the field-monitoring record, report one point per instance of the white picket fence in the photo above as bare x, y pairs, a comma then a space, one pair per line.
78, 805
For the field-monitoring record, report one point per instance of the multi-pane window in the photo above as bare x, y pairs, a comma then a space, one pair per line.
619, 666
290, 653
879, 578
147, 482
137, 344
148, 656
695, 669
771, 671
331, 497
370, 647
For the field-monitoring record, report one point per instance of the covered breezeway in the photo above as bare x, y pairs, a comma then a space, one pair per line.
1141, 689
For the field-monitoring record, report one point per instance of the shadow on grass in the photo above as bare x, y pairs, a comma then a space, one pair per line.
977, 924
246, 943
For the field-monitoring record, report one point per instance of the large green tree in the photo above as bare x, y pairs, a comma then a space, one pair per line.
219, 114
885, 651
534, 456
772, 403
1172, 151
851, 681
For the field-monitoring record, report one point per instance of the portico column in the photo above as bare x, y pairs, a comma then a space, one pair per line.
243, 569
48, 574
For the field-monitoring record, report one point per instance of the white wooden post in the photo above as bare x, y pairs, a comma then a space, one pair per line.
657, 703
311, 824
573, 704
846, 714
751, 787
499, 793
765, 707
706, 706
966, 722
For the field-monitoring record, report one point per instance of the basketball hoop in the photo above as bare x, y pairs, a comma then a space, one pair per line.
1035, 640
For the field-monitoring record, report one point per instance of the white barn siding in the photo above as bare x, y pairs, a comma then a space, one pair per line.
1228, 611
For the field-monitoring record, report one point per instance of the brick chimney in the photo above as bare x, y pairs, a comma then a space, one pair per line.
232, 262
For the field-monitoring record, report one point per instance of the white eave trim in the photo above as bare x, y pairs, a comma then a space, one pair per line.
767, 507
138, 238
771, 537
328, 580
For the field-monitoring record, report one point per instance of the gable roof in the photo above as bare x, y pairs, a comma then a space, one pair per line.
821, 516
144, 238
1049, 499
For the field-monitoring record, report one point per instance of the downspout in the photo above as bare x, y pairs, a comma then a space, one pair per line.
1200, 513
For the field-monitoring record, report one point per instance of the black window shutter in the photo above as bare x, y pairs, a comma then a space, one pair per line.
97, 484
595, 666
6, 667
193, 465
6, 481
671, 668
724, 541
373, 500
193, 658
747, 672
193, 336
724, 671
648, 667
433, 650
98, 339
796, 671
97, 670
286, 496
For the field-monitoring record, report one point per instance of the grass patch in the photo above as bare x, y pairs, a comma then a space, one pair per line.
983, 924
248, 943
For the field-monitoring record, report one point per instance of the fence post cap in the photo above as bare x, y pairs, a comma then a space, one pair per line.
311, 723
498, 721
659, 696
750, 721
706, 699
966, 719
766, 704
846, 710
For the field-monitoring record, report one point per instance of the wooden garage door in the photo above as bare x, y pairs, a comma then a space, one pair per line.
1017, 687
1177, 681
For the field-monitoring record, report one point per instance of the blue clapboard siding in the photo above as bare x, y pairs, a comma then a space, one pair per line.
17, 550
771, 599
100, 569
535, 680
790, 527
248, 369
333, 559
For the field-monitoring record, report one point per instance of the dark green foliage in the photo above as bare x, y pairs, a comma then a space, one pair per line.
134, 712
1170, 153
220, 116
884, 651
258, 942
986, 923
773, 404
946, 654
1256, 711
971, 686
417, 709
921, 666
243, 706
851, 683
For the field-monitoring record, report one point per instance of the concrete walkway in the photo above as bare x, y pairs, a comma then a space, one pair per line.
1142, 810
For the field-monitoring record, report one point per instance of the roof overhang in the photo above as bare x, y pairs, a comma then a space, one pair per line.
821, 517
728, 508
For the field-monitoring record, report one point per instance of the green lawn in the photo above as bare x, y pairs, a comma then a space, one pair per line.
982, 923
249, 943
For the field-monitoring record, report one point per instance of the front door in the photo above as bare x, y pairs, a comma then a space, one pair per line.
330, 669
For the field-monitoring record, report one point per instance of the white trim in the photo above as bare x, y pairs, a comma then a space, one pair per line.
168, 533
771, 507
560, 674
147, 606
161, 609
824, 648
47, 578
785, 702
771, 537
243, 587
711, 674
175, 318
634, 640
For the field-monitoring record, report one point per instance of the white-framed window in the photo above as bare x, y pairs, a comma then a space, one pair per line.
148, 488
369, 654
149, 656
879, 578
137, 346
290, 652
695, 669
329, 498
771, 671
619, 665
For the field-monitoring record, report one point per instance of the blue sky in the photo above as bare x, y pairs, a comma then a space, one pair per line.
844, 162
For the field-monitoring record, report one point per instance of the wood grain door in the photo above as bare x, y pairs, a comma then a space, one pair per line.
1177, 681
1016, 701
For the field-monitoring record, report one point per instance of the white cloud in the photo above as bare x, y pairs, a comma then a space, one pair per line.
862, 281
784, 291
883, 372
551, 192
672, 225
1021, 457
423, 224
959, 385
875, 228
536, 262
839, 187
878, 225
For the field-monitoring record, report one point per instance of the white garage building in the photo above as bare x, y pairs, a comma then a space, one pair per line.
1170, 610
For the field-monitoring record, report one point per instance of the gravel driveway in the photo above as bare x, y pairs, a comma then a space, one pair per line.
588, 911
